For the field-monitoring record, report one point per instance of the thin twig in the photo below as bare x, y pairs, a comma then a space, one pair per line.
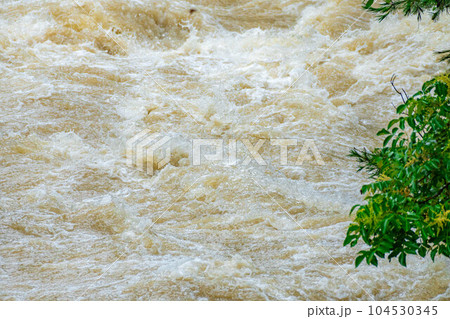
398, 92
437, 194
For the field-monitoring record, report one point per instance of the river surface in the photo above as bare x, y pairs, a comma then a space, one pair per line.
80, 78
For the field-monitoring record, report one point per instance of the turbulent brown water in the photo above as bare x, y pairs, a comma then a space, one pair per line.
78, 223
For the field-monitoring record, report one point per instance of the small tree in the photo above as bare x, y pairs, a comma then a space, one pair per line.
408, 202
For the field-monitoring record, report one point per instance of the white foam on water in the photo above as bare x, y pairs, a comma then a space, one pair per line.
72, 95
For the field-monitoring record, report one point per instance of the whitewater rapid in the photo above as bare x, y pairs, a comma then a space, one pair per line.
80, 78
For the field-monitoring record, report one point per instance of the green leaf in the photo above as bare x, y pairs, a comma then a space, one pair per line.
374, 261
368, 4
392, 122
433, 254
387, 139
385, 225
347, 240
402, 259
422, 251
401, 108
402, 123
383, 132
353, 208
359, 260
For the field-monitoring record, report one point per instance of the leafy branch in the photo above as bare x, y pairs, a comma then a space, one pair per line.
409, 7
407, 209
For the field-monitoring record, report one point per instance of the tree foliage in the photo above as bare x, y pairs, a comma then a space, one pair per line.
409, 7
408, 201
